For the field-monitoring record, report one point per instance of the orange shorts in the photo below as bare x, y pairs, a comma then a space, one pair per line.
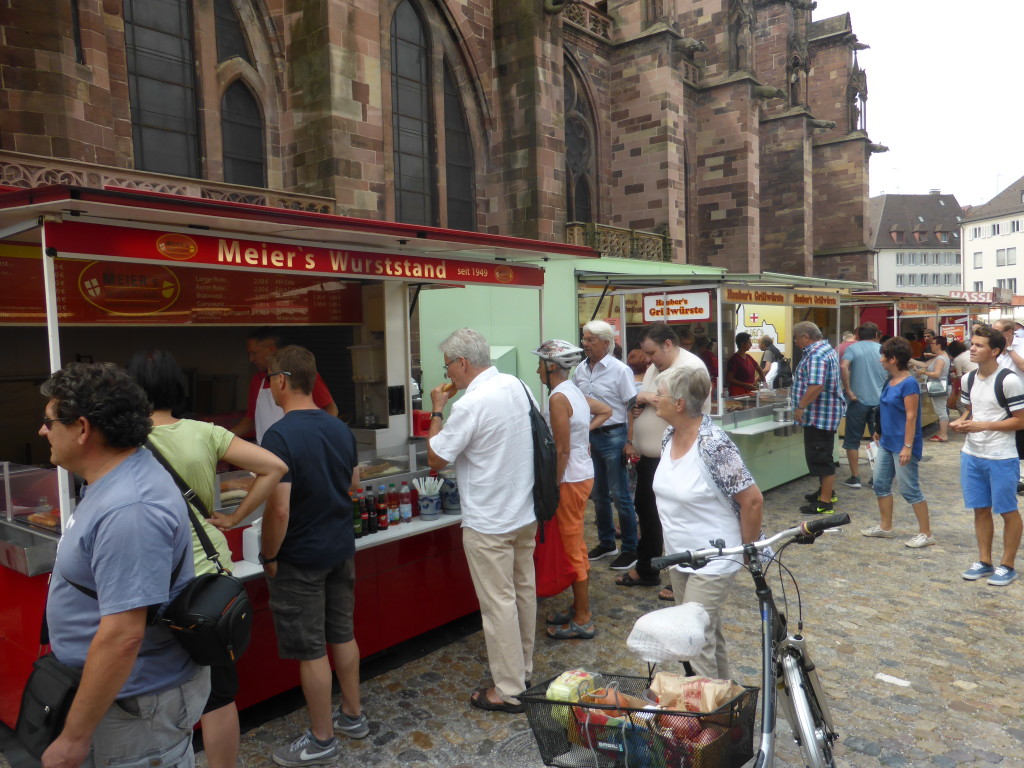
572, 503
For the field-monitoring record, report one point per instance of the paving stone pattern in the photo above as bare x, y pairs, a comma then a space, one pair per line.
950, 650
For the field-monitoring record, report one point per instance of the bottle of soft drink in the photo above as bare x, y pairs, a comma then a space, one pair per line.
405, 503
382, 508
394, 513
369, 511
357, 513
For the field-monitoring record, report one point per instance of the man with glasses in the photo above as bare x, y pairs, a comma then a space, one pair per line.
489, 438
262, 410
140, 692
818, 405
308, 555
604, 377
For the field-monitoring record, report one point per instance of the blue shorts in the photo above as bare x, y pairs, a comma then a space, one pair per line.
857, 416
989, 483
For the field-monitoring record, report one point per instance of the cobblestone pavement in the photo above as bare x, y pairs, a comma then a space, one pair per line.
949, 650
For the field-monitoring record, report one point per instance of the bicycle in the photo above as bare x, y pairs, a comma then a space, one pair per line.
788, 674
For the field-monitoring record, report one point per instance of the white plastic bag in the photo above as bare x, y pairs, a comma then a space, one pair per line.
670, 634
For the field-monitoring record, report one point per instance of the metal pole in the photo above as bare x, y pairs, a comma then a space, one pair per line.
64, 484
718, 321
622, 324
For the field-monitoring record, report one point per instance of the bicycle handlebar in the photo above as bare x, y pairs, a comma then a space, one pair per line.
698, 558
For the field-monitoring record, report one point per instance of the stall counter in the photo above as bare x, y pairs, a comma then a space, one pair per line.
410, 579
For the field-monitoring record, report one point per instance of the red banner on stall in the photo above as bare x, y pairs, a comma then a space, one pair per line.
125, 293
72, 238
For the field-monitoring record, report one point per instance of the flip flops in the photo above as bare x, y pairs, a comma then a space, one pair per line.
573, 631
937, 439
479, 700
667, 595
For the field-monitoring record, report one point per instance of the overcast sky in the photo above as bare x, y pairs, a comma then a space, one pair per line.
943, 93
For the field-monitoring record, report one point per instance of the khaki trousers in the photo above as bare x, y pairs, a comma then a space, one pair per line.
501, 565
709, 591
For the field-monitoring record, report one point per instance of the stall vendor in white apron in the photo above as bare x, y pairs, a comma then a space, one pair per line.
263, 411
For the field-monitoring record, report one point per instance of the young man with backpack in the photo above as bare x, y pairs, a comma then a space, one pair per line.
993, 402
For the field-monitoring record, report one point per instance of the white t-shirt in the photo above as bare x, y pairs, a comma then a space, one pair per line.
580, 466
488, 436
692, 512
649, 428
962, 363
992, 444
1005, 361
610, 381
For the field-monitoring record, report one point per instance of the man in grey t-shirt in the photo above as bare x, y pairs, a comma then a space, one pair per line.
126, 547
863, 379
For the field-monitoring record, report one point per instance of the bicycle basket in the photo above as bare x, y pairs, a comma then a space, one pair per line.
592, 735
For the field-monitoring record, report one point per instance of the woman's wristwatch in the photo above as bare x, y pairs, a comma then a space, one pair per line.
907, 445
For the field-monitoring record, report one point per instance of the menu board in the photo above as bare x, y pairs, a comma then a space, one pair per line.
120, 293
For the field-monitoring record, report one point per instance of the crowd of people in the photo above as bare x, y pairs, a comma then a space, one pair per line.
129, 545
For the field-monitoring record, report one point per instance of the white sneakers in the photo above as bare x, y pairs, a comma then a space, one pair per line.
920, 541
877, 532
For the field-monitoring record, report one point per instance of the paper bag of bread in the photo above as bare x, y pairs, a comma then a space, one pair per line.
693, 694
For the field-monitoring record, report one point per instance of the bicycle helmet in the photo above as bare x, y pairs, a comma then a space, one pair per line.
561, 353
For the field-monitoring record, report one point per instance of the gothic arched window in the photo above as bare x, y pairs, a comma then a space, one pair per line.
242, 136
427, 114
580, 153
161, 86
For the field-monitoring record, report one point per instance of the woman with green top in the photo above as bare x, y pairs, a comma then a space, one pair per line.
193, 448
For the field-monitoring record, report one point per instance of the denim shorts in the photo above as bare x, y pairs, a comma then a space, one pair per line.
312, 608
887, 466
989, 483
857, 416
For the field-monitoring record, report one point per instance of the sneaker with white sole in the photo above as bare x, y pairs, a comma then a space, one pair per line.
623, 562
878, 532
920, 540
602, 550
354, 728
977, 571
852, 482
306, 751
1002, 576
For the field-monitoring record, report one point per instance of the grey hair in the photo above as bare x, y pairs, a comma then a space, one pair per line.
766, 339
602, 330
469, 344
691, 385
1004, 322
806, 326
848, 336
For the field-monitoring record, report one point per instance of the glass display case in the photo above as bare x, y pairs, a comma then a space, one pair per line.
29, 518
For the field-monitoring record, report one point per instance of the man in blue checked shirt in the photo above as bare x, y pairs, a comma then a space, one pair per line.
818, 405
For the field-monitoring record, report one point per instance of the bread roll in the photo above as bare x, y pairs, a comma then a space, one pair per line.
449, 388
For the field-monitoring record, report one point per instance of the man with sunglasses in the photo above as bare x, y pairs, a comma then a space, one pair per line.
127, 547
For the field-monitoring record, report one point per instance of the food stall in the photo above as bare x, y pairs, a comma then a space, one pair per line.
91, 274
951, 316
761, 423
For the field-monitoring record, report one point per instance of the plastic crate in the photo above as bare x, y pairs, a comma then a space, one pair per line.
576, 735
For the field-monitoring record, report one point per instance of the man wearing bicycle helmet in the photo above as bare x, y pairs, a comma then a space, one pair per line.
571, 416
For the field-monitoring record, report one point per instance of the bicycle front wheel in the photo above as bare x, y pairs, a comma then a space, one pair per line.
809, 726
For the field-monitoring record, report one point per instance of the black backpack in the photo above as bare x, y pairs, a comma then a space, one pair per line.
545, 466
784, 376
1001, 374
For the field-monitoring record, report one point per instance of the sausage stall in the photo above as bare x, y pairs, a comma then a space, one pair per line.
706, 308
91, 274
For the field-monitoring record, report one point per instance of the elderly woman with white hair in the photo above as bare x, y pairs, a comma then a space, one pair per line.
704, 492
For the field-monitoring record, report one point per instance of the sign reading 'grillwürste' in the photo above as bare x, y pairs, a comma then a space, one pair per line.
72, 238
